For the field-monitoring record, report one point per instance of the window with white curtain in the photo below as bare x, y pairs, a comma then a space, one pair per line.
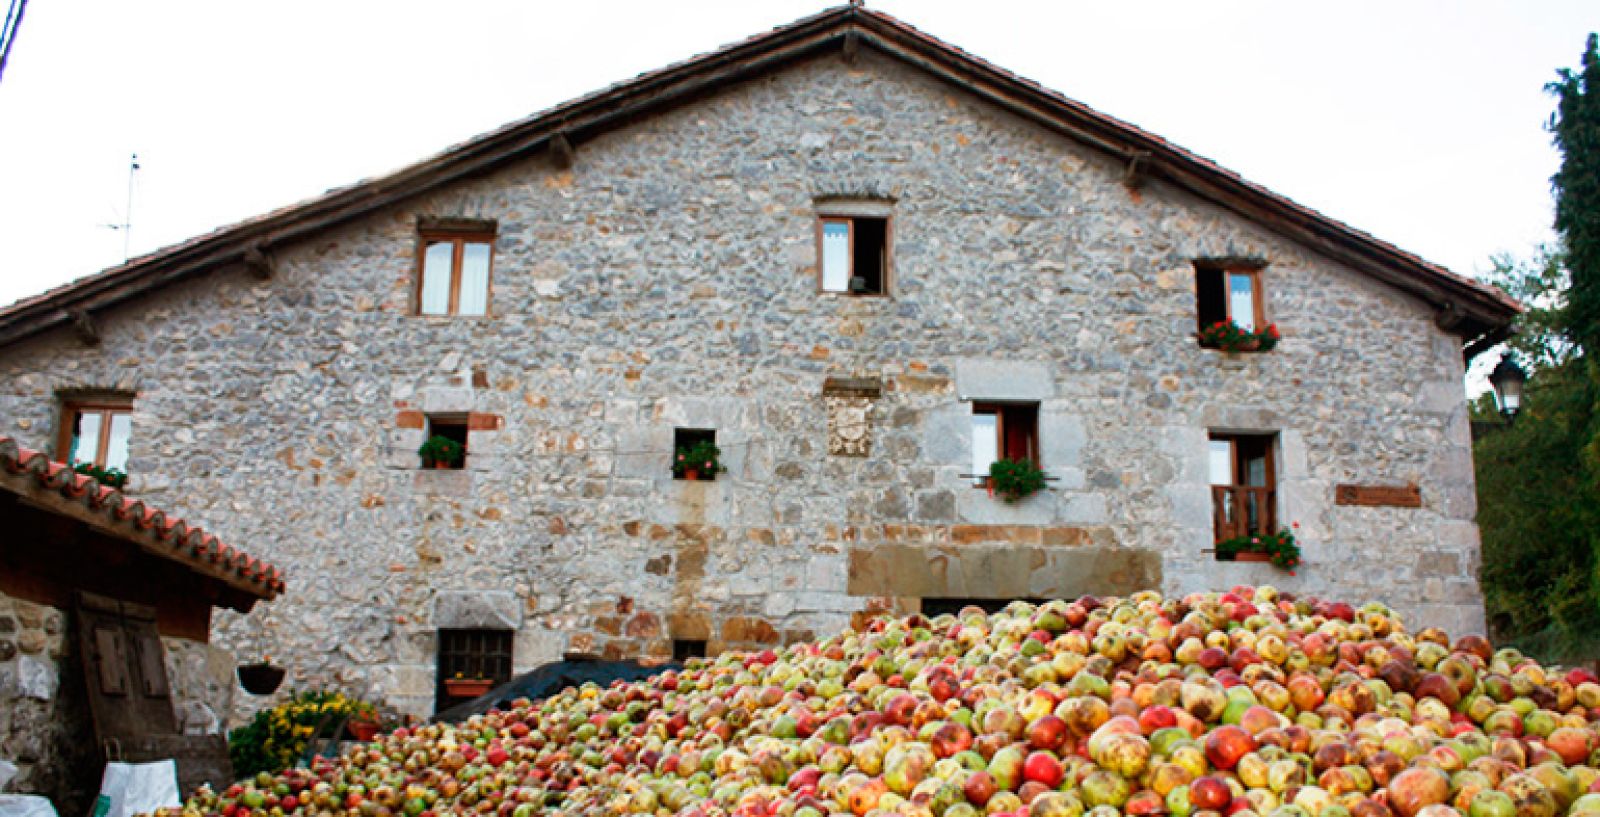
454, 274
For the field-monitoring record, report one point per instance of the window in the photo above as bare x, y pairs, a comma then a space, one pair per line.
96, 432
452, 427
685, 441
855, 254
454, 276
1003, 431
1229, 293
471, 654
1243, 485
686, 648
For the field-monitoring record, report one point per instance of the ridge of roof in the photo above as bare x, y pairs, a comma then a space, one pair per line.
161, 534
1486, 309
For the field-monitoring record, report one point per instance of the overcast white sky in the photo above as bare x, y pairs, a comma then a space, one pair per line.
1420, 122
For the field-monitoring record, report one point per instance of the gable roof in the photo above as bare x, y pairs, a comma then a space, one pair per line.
1479, 313
35, 477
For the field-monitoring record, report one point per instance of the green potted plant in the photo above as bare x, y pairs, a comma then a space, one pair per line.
699, 460
1014, 480
109, 477
442, 452
1231, 337
1278, 548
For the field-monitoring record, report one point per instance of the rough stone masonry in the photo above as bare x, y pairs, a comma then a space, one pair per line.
668, 279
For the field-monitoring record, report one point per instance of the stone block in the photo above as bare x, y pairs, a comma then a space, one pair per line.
1082, 509
477, 610
446, 399
1001, 379
975, 506
1061, 439
947, 435
749, 630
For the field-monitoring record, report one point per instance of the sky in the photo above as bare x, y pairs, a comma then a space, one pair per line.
1420, 122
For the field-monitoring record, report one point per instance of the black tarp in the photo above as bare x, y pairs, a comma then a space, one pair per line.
550, 679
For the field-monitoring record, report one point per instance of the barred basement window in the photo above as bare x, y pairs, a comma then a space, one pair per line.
471, 654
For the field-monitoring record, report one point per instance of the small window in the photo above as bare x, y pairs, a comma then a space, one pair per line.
695, 455
96, 433
454, 273
686, 648
1229, 294
1243, 485
855, 254
471, 654
1003, 431
452, 427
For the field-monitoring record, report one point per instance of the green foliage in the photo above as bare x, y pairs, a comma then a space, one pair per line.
704, 456
109, 477
276, 738
1281, 546
1231, 337
444, 451
1536, 509
1540, 283
1015, 479
1538, 477
1576, 126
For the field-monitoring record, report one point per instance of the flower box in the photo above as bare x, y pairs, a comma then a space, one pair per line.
467, 687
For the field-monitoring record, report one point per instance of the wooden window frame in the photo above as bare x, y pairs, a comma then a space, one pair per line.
70, 409
850, 219
1267, 521
459, 239
998, 409
1258, 299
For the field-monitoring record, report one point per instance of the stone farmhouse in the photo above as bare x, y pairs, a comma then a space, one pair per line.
862, 261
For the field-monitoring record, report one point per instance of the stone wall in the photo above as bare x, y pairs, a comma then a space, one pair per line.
668, 279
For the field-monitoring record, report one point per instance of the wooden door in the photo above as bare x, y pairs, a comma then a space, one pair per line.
125, 669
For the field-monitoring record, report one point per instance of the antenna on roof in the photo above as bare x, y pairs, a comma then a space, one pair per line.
858, 3
127, 214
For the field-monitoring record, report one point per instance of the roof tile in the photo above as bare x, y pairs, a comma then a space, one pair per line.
184, 543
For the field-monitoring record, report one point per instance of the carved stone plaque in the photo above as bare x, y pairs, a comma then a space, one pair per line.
849, 418
1377, 496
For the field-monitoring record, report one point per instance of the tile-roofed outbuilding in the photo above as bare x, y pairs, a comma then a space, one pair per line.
35, 477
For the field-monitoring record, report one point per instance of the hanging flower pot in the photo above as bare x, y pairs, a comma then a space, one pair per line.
691, 474
1251, 556
260, 678
362, 729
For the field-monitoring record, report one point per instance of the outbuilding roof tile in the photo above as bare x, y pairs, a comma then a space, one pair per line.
167, 536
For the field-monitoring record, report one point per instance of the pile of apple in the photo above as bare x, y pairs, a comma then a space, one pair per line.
1243, 703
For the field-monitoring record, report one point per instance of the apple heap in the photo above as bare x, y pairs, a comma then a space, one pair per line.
1249, 703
